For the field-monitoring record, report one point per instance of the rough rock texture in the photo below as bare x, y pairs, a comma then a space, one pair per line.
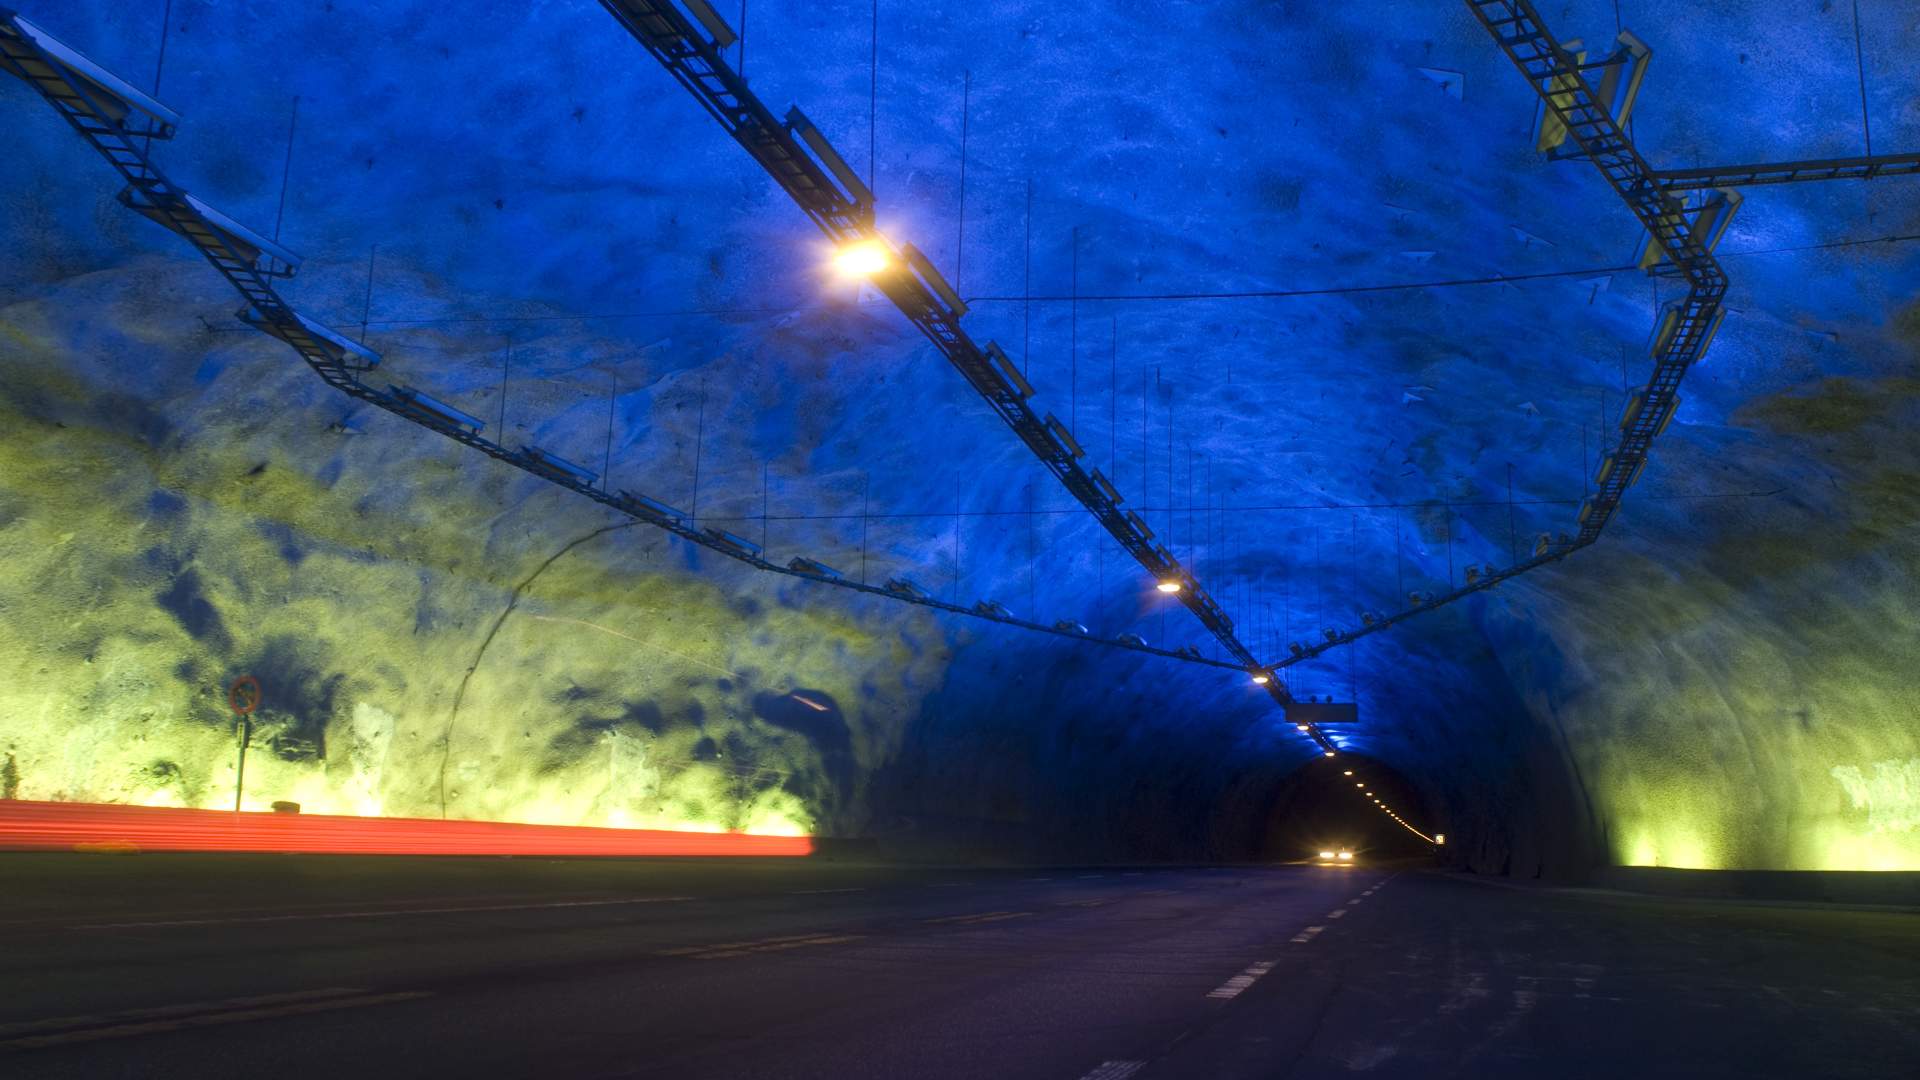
1727, 680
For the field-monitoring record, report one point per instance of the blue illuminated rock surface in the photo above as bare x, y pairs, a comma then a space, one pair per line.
1727, 679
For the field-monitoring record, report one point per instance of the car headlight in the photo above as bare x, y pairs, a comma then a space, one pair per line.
1346, 854
1326, 854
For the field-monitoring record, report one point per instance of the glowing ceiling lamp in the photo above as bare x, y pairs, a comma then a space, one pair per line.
1329, 753
1168, 586
862, 258
1260, 678
1349, 772
1299, 727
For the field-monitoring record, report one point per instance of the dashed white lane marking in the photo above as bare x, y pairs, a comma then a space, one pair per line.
1036, 879
1115, 1070
983, 917
1233, 987
821, 892
946, 884
384, 914
1336, 913
1084, 877
1355, 900
1306, 935
207, 1014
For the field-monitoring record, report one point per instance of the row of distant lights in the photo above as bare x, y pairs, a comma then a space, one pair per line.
1437, 838
866, 258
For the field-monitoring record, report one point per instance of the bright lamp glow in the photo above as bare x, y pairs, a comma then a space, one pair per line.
1346, 854
1326, 854
1260, 679
1329, 753
1168, 586
863, 258
1299, 727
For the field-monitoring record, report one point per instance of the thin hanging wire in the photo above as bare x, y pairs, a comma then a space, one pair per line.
1860, 63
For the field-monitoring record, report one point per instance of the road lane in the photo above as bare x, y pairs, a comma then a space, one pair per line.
936, 972
873, 972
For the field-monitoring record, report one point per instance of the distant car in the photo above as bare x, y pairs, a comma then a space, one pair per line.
1336, 857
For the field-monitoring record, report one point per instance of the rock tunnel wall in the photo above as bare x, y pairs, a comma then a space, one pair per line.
1725, 681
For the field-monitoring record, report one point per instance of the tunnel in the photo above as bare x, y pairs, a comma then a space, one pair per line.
1449, 464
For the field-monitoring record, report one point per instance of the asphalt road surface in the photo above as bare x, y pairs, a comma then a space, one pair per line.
285, 967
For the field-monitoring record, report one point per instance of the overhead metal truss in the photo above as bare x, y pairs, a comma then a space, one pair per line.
1790, 172
684, 38
1659, 199
116, 120
119, 121
1691, 320
687, 38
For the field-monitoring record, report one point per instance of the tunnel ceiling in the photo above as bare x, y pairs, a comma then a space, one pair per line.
1719, 682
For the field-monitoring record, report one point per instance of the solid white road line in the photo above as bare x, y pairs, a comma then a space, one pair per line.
210, 1019
983, 917
25, 1027
728, 949
383, 914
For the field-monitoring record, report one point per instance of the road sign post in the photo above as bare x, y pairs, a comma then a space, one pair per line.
243, 697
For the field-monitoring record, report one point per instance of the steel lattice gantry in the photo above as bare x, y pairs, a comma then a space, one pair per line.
1790, 172
1688, 324
687, 39
117, 120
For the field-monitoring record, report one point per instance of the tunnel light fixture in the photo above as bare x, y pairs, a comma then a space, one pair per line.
1168, 586
1261, 678
1328, 753
1299, 727
862, 258
1349, 772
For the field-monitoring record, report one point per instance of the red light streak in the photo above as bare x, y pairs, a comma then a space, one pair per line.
56, 826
